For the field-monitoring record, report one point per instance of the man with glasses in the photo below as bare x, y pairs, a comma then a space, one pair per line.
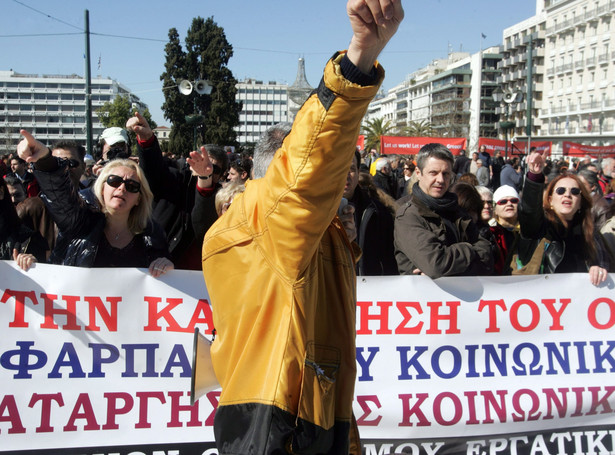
433, 235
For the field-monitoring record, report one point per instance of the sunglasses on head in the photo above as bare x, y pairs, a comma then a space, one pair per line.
132, 186
512, 200
560, 190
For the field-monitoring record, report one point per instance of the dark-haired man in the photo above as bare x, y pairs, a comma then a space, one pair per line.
433, 235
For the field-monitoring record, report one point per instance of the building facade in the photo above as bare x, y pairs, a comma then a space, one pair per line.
266, 104
453, 95
579, 101
263, 105
52, 107
570, 46
523, 51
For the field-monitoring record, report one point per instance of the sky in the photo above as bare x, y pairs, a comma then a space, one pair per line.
268, 36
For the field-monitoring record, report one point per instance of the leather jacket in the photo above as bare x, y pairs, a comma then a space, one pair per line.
80, 225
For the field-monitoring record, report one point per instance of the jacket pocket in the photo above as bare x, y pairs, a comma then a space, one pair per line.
317, 401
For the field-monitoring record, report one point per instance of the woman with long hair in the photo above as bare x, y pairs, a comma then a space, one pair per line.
560, 225
120, 233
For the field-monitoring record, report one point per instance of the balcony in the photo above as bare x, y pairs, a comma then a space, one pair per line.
603, 59
590, 62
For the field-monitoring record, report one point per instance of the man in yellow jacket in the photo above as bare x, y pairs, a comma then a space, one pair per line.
279, 269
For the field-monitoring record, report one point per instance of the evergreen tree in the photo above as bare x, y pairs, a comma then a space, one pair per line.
205, 58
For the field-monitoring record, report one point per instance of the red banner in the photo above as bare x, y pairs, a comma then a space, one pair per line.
514, 148
595, 151
411, 145
361, 142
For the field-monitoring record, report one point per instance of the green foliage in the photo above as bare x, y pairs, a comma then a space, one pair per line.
118, 111
205, 57
418, 129
375, 128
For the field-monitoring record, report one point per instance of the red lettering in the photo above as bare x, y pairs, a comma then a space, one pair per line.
176, 408
153, 315
553, 399
491, 403
514, 315
521, 415
20, 302
70, 312
364, 401
144, 407
8, 406
82, 410
113, 410
492, 306
471, 397
46, 399
401, 328
603, 401
109, 317
435, 317
593, 309
214, 399
555, 314
408, 412
365, 317
437, 408
202, 308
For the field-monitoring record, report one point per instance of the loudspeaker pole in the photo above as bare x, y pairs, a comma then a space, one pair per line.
88, 88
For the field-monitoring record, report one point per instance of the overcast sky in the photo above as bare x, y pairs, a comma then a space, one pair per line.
268, 36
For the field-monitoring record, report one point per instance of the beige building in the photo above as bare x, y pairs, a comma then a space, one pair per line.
573, 72
579, 95
52, 107
453, 95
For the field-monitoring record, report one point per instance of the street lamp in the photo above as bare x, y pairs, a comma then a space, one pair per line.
506, 99
201, 87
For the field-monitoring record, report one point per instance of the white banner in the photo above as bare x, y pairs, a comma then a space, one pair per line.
97, 361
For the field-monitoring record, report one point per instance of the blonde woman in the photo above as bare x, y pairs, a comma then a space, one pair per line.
120, 233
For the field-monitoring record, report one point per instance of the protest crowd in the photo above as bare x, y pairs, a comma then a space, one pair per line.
282, 234
61, 209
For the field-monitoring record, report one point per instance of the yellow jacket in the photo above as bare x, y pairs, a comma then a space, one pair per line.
280, 274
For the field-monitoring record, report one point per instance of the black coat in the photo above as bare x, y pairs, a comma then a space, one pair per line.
374, 224
173, 191
566, 252
80, 225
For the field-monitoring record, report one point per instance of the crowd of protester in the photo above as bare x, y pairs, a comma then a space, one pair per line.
150, 209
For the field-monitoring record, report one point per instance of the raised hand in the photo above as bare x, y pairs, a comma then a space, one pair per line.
139, 125
537, 161
201, 165
29, 149
373, 22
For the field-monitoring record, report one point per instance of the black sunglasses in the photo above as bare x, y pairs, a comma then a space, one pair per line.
560, 190
512, 200
132, 186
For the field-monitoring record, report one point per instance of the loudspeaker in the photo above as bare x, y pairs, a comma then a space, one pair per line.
203, 87
185, 87
203, 376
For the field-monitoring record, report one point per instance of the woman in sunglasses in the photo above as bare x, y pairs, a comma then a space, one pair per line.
120, 234
560, 225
